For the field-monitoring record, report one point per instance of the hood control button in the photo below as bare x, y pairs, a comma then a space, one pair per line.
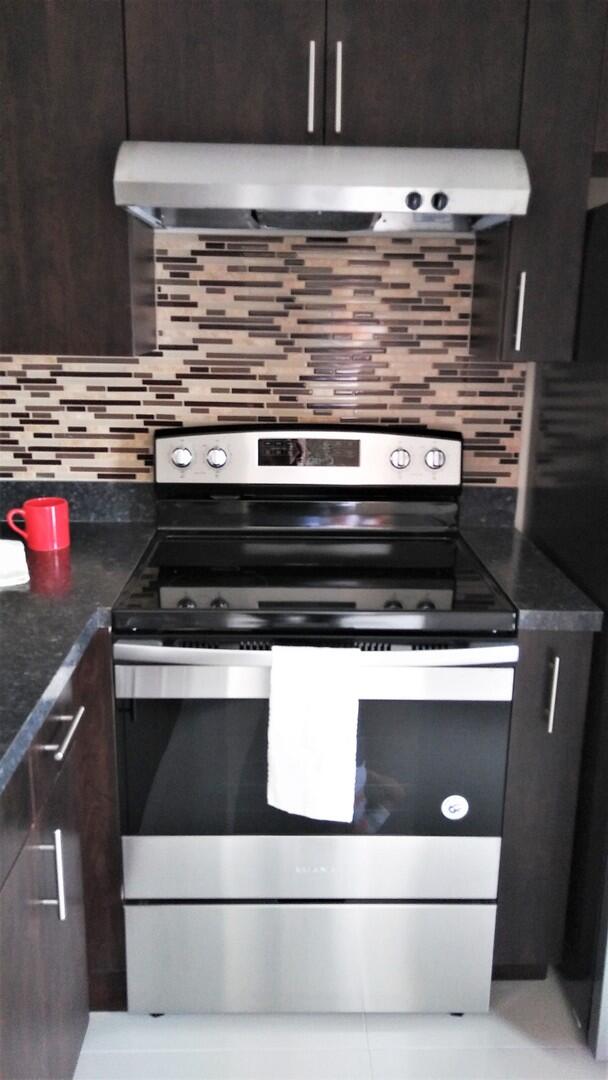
439, 200
413, 200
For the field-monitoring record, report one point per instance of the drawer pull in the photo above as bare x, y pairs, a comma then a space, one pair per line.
338, 104
57, 848
310, 126
553, 696
59, 750
521, 306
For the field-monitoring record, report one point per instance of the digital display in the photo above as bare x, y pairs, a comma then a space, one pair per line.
330, 453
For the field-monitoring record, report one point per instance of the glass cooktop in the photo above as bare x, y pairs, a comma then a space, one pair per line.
189, 580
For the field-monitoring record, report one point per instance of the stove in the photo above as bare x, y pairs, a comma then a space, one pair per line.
234, 552
325, 536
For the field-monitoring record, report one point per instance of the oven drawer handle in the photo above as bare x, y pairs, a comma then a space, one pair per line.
167, 654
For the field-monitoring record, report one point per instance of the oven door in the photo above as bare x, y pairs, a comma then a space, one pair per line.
432, 745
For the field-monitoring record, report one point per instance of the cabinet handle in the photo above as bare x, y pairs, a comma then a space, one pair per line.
60, 750
521, 303
553, 696
338, 108
311, 88
57, 848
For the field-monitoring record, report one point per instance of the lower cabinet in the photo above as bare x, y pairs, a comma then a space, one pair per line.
61, 934
43, 974
548, 718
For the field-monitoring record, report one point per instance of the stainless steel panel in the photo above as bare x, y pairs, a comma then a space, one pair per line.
375, 683
300, 177
310, 867
309, 957
374, 468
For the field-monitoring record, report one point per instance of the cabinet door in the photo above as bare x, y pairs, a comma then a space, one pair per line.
540, 800
43, 973
95, 768
23, 1025
57, 847
441, 73
561, 85
64, 276
225, 70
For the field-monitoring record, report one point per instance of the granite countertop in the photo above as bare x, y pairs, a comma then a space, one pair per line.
46, 626
544, 597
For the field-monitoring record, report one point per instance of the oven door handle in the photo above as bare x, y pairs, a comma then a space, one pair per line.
157, 682
157, 653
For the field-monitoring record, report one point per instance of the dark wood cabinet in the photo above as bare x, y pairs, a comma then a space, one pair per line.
560, 91
97, 798
225, 70
64, 273
43, 975
443, 73
52, 969
601, 125
23, 1027
57, 848
540, 801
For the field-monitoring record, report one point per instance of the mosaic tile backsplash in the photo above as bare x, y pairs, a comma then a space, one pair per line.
275, 329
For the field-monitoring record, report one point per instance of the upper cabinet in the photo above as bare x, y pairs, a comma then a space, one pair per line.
78, 78
64, 271
388, 72
226, 70
559, 104
443, 73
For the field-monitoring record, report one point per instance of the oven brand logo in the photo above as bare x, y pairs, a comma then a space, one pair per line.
315, 869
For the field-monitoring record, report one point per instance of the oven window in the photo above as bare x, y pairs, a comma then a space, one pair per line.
199, 768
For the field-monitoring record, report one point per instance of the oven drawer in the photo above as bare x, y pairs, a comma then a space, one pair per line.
309, 957
310, 867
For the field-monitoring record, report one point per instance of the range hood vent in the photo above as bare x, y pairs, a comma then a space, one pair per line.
309, 189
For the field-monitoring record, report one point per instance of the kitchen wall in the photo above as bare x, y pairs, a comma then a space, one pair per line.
264, 329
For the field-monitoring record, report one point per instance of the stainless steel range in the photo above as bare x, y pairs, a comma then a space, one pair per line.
344, 537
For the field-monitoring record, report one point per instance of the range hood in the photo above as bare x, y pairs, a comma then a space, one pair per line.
243, 187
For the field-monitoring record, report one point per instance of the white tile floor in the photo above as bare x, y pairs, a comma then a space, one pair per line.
529, 1034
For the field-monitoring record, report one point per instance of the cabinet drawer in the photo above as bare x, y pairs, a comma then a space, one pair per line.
309, 957
52, 744
79, 700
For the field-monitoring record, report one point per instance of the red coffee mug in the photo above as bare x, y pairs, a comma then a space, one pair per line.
47, 523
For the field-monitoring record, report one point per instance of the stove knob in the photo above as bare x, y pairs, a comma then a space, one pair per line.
400, 458
435, 458
186, 602
217, 457
426, 605
393, 605
219, 603
181, 457
413, 200
439, 200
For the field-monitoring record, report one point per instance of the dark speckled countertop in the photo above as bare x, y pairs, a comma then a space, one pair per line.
46, 626
544, 597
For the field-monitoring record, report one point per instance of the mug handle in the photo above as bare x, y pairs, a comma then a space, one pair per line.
9, 517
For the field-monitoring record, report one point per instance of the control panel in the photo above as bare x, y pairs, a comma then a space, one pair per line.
307, 457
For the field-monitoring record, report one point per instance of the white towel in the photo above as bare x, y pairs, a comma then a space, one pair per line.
312, 732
